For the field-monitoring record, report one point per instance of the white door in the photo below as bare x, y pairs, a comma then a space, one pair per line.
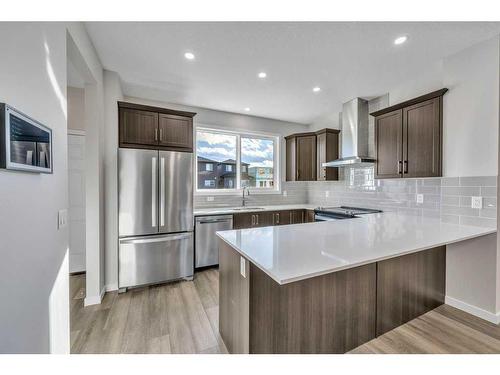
76, 182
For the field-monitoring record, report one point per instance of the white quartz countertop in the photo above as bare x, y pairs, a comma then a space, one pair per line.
251, 208
295, 252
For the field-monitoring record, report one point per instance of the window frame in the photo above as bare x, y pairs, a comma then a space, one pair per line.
276, 138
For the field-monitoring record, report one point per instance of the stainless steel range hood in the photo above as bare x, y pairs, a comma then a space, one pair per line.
354, 135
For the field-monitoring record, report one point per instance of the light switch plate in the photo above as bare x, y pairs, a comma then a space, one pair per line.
285, 193
243, 270
327, 194
210, 199
477, 202
62, 218
420, 198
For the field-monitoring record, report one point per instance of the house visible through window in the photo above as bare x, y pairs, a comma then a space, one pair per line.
228, 161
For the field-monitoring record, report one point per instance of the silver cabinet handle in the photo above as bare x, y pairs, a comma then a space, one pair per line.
405, 170
277, 218
154, 172
162, 191
257, 219
156, 135
253, 219
161, 134
136, 240
400, 164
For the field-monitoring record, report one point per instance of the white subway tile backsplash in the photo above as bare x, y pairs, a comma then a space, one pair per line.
447, 197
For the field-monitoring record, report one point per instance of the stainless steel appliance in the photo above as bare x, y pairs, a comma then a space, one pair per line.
207, 248
155, 216
354, 135
341, 213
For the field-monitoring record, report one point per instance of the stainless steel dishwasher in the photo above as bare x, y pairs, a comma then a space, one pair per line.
206, 242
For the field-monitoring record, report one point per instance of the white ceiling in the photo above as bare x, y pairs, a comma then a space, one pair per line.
344, 59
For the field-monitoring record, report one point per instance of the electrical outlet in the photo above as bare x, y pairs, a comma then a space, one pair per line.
62, 219
210, 199
477, 202
285, 193
327, 194
420, 198
243, 270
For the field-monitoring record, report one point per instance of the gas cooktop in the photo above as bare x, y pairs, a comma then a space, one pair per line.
342, 212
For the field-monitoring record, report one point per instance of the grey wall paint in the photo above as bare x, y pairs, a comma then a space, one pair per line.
32, 248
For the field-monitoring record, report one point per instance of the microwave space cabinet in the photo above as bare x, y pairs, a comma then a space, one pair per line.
409, 138
154, 128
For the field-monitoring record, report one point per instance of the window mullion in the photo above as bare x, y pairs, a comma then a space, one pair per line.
238, 161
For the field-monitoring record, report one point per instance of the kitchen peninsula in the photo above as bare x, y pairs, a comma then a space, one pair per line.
328, 287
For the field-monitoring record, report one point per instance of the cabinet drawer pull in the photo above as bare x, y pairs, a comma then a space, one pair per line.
161, 135
257, 219
253, 219
406, 166
277, 218
400, 165
156, 135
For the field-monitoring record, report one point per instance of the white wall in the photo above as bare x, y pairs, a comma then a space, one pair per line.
76, 108
471, 276
471, 111
33, 79
112, 94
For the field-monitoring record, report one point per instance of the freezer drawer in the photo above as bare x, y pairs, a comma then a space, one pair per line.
207, 246
155, 259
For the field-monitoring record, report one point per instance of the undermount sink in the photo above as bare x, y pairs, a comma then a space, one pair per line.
247, 208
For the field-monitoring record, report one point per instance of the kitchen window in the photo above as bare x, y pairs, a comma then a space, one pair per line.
228, 161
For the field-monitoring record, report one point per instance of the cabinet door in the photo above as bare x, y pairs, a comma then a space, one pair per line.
243, 220
422, 139
281, 217
327, 150
176, 132
263, 219
309, 216
290, 159
389, 145
296, 216
138, 128
306, 158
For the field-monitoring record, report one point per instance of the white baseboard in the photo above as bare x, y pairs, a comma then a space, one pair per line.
480, 313
111, 287
94, 300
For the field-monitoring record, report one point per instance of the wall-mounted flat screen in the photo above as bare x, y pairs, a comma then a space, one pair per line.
28, 144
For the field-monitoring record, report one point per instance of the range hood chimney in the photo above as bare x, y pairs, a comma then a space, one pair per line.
354, 135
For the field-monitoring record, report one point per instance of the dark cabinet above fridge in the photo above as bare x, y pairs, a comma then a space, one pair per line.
154, 128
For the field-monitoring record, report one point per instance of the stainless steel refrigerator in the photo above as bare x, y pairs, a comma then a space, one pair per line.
155, 207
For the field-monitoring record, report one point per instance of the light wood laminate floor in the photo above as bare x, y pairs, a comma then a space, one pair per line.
182, 317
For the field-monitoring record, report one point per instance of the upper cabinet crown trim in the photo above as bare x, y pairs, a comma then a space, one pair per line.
410, 102
149, 108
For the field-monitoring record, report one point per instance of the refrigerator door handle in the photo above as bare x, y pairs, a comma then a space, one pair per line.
162, 191
171, 237
154, 173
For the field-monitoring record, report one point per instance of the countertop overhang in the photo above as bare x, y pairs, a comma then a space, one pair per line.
296, 252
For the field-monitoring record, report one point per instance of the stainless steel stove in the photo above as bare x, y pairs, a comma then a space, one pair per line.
341, 213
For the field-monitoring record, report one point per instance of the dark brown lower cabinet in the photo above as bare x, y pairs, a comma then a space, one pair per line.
332, 313
409, 286
268, 218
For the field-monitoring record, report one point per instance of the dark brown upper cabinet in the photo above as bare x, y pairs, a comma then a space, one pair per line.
175, 131
327, 142
306, 152
155, 128
301, 157
409, 137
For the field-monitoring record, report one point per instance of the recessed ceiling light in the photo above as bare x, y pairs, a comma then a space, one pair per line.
247, 109
400, 40
189, 55
316, 89
262, 75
